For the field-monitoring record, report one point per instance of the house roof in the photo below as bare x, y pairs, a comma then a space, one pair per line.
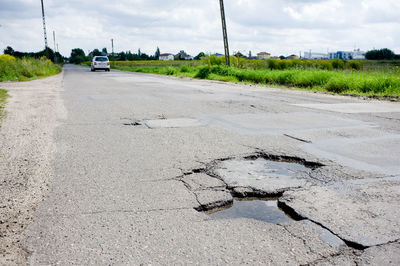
263, 53
165, 54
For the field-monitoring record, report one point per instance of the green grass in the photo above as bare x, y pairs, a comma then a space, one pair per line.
3, 98
15, 69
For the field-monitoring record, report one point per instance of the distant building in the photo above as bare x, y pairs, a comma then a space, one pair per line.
293, 56
183, 56
264, 55
359, 55
341, 55
239, 54
166, 57
219, 55
346, 55
312, 55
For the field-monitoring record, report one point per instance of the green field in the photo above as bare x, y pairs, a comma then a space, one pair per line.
368, 78
15, 69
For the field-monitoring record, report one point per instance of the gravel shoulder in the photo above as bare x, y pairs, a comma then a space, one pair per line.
26, 151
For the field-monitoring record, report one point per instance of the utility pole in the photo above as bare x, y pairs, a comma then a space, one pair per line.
225, 34
44, 29
54, 40
112, 47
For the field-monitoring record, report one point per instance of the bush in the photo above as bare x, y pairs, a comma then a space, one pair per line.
355, 64
212, 60
337, 64
203, 72
324, 64
25, 68
7, 58
170, 71
337, 84
273, 64
221, 70
184, 69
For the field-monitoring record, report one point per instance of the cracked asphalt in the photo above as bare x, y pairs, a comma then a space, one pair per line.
137, 155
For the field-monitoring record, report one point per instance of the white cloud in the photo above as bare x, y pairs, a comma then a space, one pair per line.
277, 26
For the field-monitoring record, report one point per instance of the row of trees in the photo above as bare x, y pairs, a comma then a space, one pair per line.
381, 54
78, 55
48, 53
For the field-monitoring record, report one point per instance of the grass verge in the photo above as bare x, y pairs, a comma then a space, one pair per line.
377, 83
15, 69
3, 97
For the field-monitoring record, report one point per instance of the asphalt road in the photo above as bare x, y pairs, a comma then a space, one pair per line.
137, 155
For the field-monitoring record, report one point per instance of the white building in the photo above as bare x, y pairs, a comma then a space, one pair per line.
166, 57
359, 55
312, 55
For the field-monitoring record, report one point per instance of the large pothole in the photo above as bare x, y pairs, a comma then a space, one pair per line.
251, 179
252, 187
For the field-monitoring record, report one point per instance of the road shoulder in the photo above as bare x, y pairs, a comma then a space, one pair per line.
33, 111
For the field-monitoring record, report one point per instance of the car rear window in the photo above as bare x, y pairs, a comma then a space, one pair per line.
101, 59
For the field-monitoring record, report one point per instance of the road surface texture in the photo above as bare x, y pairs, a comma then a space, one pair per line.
127, 168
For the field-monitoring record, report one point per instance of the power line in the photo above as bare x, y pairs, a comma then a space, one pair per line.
224, 33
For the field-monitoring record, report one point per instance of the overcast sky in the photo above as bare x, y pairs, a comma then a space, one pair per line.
281, 27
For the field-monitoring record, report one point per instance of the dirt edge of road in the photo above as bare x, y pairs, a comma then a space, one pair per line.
26, 150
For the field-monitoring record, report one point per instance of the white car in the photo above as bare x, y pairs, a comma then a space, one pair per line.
100, 63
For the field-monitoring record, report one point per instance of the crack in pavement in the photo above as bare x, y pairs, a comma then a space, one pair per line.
295, 236
192, 192
298, 217
299, 139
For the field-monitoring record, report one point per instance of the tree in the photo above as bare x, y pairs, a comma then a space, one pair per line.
199, 56
122, 56
104, 51
157, 54
129, 56
144, 56
380, 54
77, 56
96, 52
9, 50
282, 57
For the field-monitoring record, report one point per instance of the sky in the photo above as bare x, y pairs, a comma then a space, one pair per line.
280, 27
